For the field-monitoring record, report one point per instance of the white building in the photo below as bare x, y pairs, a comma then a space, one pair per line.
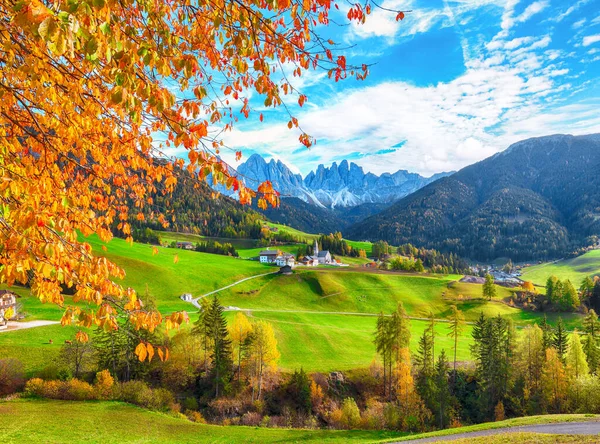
187, 297
323, 257
268, 256
285, 259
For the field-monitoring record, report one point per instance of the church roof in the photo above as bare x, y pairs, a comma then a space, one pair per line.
323, 253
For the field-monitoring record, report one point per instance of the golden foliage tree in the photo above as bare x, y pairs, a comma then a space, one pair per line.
94, 92
263, 352
239, 331
554, 381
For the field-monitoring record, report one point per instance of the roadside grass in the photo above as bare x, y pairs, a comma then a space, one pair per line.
575, 269
530, 438
514, 422
50, 421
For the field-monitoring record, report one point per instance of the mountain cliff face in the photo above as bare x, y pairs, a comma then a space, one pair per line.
343, 185
539, 199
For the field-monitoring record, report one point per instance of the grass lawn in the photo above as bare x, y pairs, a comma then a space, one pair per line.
196, 273
514, 422
32, 346
575, 269
47, 421
326, 342
530, 438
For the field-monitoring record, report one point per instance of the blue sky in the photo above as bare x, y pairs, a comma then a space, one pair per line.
453, 83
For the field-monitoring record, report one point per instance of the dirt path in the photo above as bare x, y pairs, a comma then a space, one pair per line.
12, 326
197, 304
561, 428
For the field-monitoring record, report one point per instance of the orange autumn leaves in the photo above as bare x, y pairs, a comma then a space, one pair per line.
96, 93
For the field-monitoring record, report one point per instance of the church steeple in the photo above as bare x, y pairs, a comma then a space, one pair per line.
316, 249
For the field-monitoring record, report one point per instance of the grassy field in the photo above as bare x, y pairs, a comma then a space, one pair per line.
315, 312
196, 273
326, 342
46, 421
575, 269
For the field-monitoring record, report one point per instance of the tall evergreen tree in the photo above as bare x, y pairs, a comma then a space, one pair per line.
489, 289
591, 326
456, 326
547, 333
442, 391
216, 330
561, 340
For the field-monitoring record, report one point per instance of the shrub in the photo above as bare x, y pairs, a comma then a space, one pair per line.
104, 384
34, 387
251, 419
350, 414
77, 390
53, 389
190, 403
12, 376
134, 392
195, 416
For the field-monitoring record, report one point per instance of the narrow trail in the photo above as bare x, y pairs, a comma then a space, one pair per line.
13, 326
197, 304
559, 428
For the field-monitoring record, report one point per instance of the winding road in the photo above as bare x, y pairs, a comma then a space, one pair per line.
559, 428
197, 304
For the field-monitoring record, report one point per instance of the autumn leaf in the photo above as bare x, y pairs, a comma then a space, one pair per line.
141, 351
175, 258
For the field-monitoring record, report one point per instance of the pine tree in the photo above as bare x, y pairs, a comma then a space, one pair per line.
560, 340
442, 389
577, 365
547, 333
590, 345
384, 345
200, 329
221, 362
456, 326
489, 289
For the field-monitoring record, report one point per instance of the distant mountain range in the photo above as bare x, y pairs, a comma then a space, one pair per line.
344, 185
538, 199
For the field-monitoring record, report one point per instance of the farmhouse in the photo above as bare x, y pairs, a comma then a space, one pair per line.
285, 259
8, 307
286, 269
185, 245
268, 256
186, 297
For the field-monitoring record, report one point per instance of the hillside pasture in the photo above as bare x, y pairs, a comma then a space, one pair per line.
575, 269
51, 421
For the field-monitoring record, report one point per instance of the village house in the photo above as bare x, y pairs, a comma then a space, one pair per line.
8, 307
186, 245
186, 297
285, 259
268, 256
286, 269
318, 257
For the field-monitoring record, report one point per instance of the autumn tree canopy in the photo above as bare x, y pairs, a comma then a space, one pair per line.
94, 91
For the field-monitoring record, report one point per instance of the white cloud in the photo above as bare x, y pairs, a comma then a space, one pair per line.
532, 10
590, 39
570, 10
578, 24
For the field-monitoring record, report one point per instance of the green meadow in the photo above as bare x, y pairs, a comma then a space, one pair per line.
575, 269
49, 421
323, 318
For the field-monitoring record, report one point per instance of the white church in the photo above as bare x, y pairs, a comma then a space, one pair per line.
318, 257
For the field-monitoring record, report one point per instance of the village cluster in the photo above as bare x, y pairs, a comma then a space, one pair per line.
283, 259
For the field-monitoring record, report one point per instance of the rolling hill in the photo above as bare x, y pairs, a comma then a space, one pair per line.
574, 269
536, 200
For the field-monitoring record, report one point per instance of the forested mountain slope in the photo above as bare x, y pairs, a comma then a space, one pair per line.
538, 199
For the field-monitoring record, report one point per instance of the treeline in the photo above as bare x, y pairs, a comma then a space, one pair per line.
561, 295
213, 247
417, 259
541, 370
335, 243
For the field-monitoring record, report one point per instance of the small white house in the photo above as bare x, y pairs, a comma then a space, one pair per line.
285, 259
186, 297
268, 256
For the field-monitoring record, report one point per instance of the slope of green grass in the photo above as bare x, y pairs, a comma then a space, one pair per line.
32, 346
196, 273
46, 421
575, 269
325, 342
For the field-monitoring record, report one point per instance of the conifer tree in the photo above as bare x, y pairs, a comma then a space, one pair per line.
560, 341
456, 326
577, 365
489, 289
442, 391
547, 333
221, 362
